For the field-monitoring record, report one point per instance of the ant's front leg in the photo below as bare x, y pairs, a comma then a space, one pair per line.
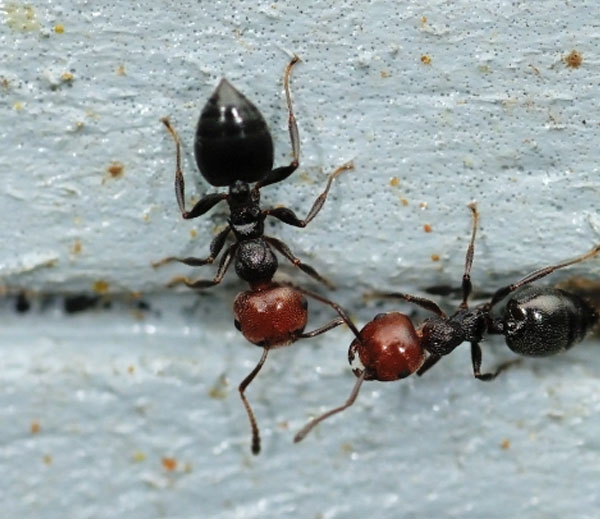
215, 248
288, 216
206, 203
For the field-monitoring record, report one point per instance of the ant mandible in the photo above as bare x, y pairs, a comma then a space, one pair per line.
537, 321
233, 147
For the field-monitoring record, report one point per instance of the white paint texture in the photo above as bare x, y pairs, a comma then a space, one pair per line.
496, 116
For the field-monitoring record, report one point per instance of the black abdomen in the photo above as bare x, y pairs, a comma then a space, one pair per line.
542, 321
232, 139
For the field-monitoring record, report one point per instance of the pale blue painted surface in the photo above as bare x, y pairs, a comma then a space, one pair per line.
495, 117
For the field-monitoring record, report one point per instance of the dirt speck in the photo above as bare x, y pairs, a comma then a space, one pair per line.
574, 59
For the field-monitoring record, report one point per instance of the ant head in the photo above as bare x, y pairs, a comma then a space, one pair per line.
232, 139
389, 349
270, 315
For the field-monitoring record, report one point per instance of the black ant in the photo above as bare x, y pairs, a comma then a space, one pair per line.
233, 147
537, 321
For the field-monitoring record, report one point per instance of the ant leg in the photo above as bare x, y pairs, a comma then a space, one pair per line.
285, 250
288, 216
206, 203
501, 293
301, 434
292, 124
476, 360
215, 248
242, 388
203, 205
343, 319
420, 301
206, 283
430, 305
466, 280
322, 329
279, 174
430, 361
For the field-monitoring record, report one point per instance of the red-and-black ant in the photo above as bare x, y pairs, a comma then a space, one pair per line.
537, 321
233, 147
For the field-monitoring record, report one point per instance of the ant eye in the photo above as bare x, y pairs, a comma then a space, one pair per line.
404, 373
237, 324
354, 358
379, 316
304, 303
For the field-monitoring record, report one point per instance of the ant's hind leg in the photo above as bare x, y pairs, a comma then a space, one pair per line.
279, 174
204, 204
292, 124
501, 293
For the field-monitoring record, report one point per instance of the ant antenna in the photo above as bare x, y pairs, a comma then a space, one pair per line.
242, 388
301, 434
